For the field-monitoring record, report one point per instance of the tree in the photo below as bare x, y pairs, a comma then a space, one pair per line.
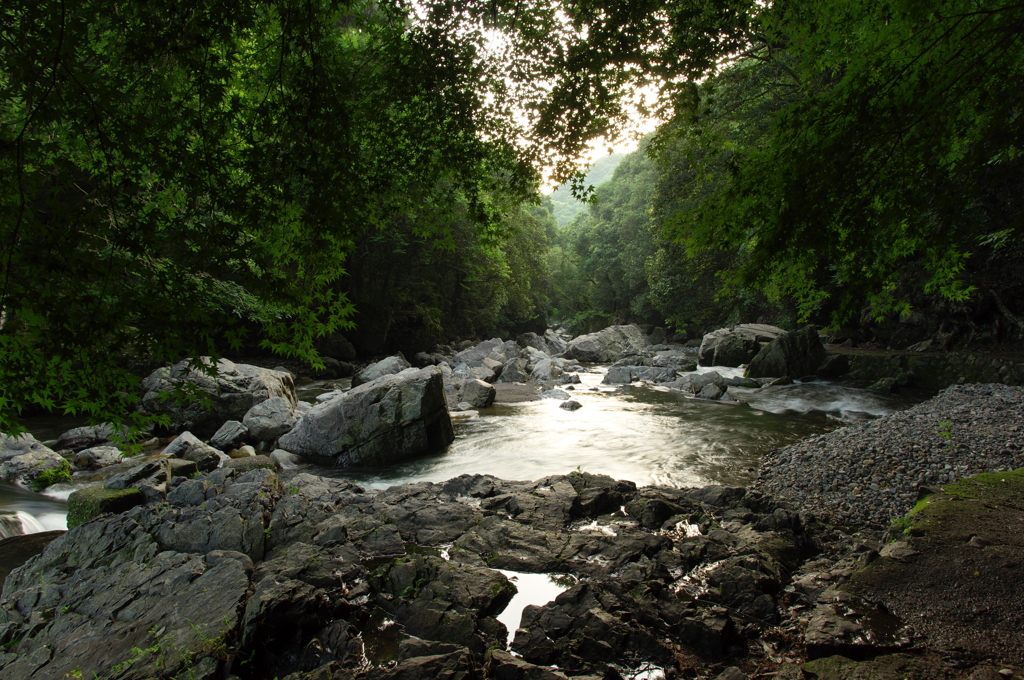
172, 168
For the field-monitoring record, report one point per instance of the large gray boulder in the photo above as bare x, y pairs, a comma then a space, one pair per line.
229, 394
556, 343
393, 418
18, 446
271, 419
388, 366
474, 355
25, 461
478, 393
736, 345
514, 371
80, 438
795, 354
608, 345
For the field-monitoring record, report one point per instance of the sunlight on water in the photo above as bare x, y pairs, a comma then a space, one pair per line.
649, 435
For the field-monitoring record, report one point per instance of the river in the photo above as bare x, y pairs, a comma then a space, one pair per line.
646, 434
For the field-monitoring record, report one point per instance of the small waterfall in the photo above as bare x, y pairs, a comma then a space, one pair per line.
18, 523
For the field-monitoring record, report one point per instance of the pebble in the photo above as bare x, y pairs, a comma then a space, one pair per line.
962, 431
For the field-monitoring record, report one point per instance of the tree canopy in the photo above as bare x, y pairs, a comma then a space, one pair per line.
183, 180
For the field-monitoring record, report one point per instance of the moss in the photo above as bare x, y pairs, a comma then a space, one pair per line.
56, 475
85, 504
993, 487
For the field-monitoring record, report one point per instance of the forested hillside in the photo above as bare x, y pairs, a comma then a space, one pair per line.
568, 206
184, 180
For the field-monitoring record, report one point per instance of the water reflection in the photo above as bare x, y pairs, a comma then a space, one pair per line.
649, 435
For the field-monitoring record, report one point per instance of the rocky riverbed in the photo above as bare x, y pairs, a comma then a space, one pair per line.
872, 473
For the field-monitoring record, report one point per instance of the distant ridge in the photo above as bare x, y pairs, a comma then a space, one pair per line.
567, 207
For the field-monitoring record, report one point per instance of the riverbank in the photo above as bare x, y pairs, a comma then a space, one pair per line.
261, 575
871, 473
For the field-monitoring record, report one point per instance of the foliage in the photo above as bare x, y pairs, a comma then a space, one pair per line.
566, 205
182, 174
890, 154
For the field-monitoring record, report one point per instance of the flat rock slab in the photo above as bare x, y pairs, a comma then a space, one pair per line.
510, 393
962, 590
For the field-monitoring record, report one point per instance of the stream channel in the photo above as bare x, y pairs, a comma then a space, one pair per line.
645, 434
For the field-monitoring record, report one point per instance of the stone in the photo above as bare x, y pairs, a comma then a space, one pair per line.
230, 436
475, 354
743, 341
93, 501
796, 353
393, 418
834, 366
19, 446
98, 457
556, 343
514, 371
389, 366
710, 391
230, 393
561, 395
188, 447
478, 393
285, 460
79, 438
248, 463
37, 469
270, 419
608, 345
570, 405
545, 370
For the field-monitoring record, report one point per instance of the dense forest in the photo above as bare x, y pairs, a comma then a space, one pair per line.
291, 178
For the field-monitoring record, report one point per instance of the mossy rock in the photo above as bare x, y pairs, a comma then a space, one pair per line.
56, 475
85, 504
243, 465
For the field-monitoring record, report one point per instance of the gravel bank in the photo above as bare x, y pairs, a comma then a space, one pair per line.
870, 473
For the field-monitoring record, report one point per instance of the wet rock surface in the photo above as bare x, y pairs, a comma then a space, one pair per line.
309, 577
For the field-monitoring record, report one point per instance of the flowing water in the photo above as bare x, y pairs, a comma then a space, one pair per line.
647, 434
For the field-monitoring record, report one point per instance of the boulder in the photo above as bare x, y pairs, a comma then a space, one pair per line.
570, 405
736, 345
93, 501
98, 457
229, 393
710, 385
393, 418
19, 446
478, 394
188, 447
793, 354
388, 366
561, 395
37, 469
79, 438
475, 354
514, 370
623, 375
230, 435
545, 370
271, 419
608, 345
533, 340
556, 343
